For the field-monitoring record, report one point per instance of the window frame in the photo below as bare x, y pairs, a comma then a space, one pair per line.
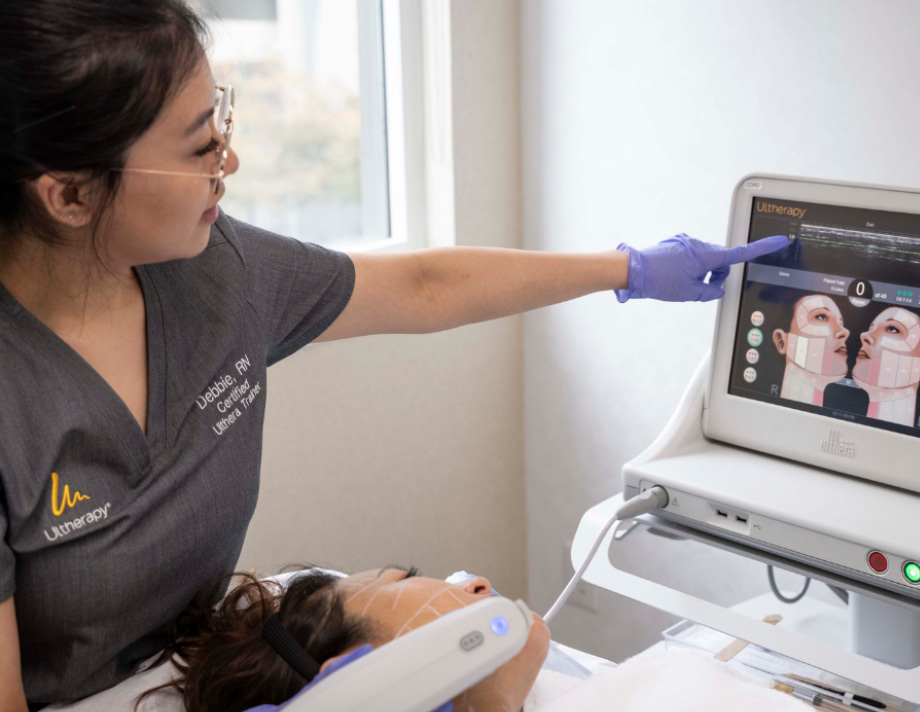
411, 161
419, 119
404, 113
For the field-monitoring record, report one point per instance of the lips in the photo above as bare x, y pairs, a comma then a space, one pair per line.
223, 189
862, 354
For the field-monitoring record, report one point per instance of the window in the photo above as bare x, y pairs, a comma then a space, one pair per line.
311, 129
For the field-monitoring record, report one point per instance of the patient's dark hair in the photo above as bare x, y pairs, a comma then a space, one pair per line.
225, 663
80, 82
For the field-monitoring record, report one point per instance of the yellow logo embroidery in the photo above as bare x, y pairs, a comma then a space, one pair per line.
66, 500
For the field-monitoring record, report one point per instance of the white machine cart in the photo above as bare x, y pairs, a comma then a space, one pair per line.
885, 623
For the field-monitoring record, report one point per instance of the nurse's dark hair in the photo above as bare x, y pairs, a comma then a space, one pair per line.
224, 662
80, 81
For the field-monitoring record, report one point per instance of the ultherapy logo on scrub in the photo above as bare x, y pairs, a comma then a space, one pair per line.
836, 445
65, 502
60, 502
775, 209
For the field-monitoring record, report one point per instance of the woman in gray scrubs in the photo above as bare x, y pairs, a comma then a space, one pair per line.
137, 322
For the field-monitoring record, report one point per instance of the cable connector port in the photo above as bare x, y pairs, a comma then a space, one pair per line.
651, 499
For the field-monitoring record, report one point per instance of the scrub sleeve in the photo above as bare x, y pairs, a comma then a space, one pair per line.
107, 532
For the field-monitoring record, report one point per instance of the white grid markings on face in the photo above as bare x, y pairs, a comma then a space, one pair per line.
424, 606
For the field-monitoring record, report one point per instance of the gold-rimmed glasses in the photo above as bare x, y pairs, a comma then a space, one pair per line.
223, 119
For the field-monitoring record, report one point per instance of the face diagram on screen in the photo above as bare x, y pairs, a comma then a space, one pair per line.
888, 365
815, 349
831, 324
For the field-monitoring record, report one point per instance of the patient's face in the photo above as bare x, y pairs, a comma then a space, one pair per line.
893, 336
397, 603
817, 338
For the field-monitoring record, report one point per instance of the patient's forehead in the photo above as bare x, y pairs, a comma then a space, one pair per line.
369, 578
363, 587
397, 603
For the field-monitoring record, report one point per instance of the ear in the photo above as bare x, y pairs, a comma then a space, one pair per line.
779, 340
340, 661
331, 661
65, 197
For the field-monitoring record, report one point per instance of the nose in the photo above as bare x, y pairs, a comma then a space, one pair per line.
866, 339
477, 585
233, 162
843, 333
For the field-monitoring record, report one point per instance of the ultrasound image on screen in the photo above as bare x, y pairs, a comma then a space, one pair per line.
831, 324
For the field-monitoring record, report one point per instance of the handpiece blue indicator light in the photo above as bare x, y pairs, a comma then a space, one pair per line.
499, 625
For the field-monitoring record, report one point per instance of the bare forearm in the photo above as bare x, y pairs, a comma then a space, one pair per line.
440, 288
463, 285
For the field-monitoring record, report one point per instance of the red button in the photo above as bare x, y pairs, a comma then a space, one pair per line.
878, 562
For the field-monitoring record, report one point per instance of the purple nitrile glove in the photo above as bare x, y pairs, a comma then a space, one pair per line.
675, 270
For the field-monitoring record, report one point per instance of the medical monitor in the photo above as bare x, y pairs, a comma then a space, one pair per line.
816, 355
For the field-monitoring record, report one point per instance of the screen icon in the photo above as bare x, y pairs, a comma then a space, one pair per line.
757, 318
753, 356
860, 292
750, 375
755, 337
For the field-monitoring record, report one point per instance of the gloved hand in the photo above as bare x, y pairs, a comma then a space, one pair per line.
674, 270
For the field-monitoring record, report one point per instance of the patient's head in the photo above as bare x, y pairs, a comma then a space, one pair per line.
816, 340
397, 602
227, 665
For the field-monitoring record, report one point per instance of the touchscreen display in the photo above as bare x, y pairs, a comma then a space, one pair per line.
831, 324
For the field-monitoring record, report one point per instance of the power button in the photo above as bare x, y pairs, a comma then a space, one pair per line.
878, 562
499, 625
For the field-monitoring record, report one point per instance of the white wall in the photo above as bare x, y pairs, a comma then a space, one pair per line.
409, 449
638, 118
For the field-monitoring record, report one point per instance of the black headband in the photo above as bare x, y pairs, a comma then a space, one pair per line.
288, 648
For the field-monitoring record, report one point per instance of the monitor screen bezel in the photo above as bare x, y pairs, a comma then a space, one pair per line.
855, 449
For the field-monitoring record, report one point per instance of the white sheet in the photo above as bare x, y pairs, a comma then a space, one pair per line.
675, 681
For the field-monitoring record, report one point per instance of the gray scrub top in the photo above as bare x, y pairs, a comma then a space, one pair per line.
107, 533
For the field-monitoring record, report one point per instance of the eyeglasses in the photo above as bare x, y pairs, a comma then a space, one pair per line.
223, 119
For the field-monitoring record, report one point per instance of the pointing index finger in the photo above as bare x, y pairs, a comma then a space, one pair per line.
758, 248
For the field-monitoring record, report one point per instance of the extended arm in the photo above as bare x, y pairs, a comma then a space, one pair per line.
436, 289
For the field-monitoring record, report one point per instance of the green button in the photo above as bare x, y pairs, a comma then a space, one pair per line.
912, 572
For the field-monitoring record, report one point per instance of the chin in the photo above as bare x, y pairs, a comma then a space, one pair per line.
200, 239
861, 370
839, 366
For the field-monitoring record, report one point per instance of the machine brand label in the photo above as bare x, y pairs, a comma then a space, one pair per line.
765, 207
836, 445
